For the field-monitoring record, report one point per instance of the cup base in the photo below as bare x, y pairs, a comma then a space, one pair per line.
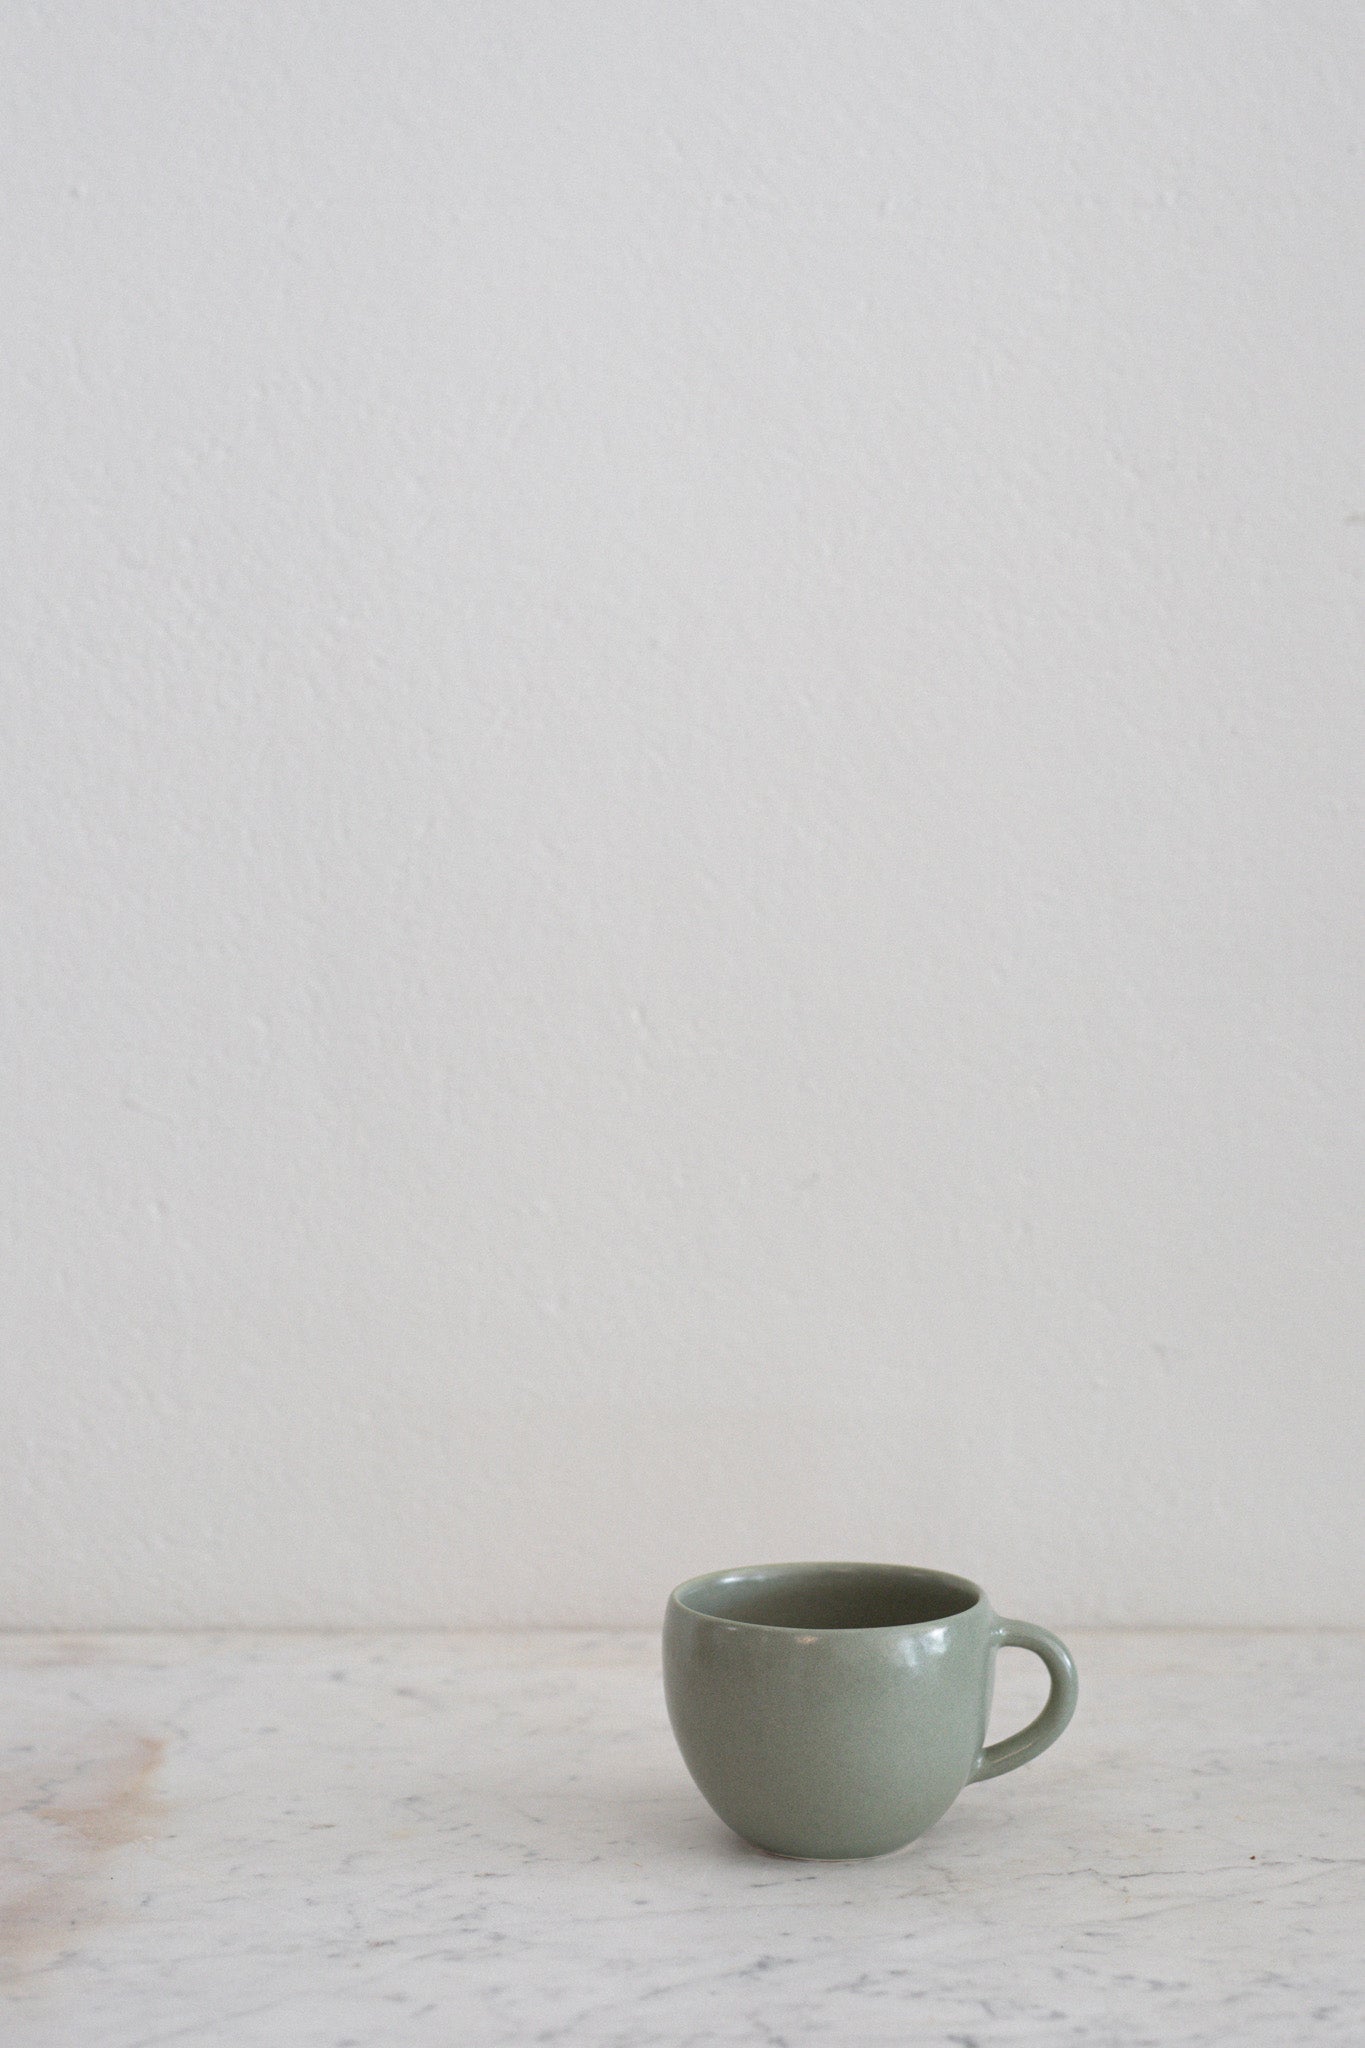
814, 1856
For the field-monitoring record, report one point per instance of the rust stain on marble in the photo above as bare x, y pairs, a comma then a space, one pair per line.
119, 1805
64, 1811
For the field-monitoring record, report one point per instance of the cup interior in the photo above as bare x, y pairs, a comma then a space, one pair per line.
829, 1596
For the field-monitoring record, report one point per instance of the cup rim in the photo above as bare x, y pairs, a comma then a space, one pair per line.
677, 1598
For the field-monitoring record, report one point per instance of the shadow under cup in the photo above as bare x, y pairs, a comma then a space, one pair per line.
837, 1710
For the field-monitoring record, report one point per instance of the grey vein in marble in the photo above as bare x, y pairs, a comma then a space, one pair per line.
420, 1841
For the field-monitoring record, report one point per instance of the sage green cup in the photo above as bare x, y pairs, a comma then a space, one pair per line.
838, 1709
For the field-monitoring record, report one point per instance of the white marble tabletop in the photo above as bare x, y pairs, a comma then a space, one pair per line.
425, 1841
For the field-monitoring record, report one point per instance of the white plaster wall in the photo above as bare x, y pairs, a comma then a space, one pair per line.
683, 852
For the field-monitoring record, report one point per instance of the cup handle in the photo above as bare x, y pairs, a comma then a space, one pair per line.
1041, 1733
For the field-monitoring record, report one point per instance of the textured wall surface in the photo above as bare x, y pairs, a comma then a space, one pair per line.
682, 832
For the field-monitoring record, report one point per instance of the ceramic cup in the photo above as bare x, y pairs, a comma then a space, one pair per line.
838, 1709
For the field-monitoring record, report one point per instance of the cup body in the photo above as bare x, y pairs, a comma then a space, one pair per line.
830, 1710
